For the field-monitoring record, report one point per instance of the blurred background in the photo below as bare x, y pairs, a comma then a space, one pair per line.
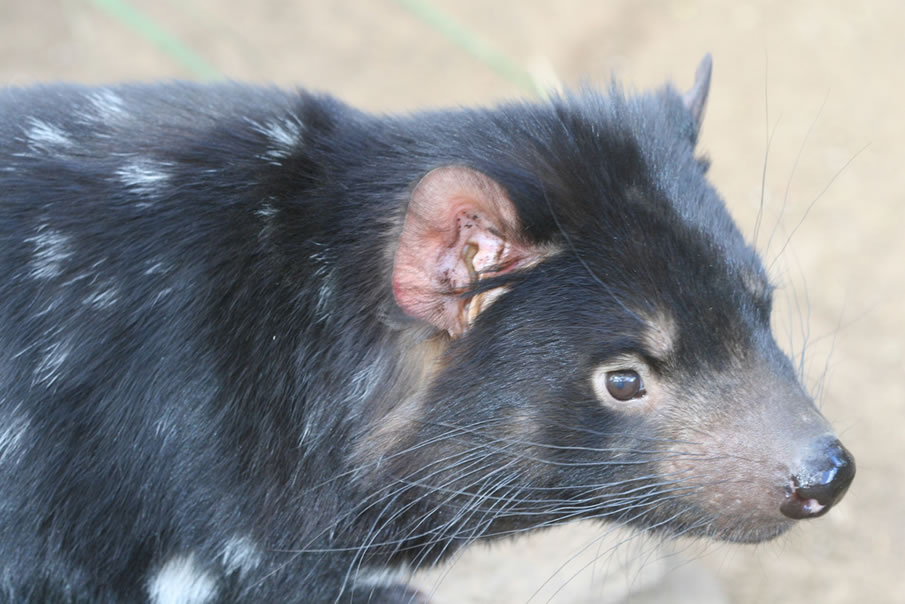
821, 81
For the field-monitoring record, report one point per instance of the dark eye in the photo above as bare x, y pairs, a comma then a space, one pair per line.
624, 385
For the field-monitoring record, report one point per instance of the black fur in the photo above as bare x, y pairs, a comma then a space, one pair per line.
200, 347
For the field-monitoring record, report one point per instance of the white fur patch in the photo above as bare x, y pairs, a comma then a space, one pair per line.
51, 249
12, 434
325, 293
181, 581
162, 294
266, 211
103, 297
46, 137
48, 370
240, 554
365, 380
157, 267
107, 104
324, 298
143, 176
285, 136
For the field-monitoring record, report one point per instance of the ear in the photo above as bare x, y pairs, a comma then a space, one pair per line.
460, 227
695, 99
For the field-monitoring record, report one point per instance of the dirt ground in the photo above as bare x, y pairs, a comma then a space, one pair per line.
825, 78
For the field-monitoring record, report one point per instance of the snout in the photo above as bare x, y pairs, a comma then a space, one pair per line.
821, 481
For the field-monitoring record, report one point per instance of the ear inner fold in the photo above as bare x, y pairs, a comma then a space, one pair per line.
460, 227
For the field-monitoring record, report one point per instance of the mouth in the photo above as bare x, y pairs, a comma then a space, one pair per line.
759, 534
719, 521
746, 530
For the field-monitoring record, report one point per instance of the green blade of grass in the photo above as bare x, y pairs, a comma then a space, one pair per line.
156, 34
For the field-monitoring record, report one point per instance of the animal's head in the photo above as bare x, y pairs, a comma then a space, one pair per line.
609, 347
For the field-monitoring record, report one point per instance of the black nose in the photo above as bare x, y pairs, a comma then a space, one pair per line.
821, 483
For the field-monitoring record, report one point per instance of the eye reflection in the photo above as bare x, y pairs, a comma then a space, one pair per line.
624, 385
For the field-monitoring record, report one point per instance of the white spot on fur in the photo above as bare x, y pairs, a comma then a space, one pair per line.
365, 380
48, 370
12, 435
77, 278
46, 137
181, 581
91, 276
322, 261
156, 267
51, 249
324, 298
161, 295
240, 554
325, 293
107, 104
286, 133
266, 211
103, 297
51, 306
285, 136
143, 176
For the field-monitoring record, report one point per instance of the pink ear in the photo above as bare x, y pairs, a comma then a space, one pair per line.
460, 227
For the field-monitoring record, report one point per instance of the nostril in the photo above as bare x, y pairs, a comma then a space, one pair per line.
821, 484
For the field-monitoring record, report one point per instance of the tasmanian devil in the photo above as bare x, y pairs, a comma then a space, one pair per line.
256, 345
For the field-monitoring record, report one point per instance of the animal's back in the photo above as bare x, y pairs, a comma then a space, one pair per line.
142, 314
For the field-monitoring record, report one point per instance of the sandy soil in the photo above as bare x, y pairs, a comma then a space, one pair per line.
777, 63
